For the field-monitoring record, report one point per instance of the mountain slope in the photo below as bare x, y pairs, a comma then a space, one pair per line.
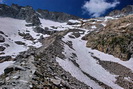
116, 38
39, 53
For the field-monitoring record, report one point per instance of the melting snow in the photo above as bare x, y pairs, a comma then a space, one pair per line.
11, 27
87, 64
4, 65
76, 72
93, 27
60, 26
107, 57
74, 21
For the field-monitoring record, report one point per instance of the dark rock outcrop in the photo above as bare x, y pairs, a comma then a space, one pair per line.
13, 68
7, 11
19, 43
44, 31
14, 11
29, 15
5, 58
2, 48
2, 39
26, 36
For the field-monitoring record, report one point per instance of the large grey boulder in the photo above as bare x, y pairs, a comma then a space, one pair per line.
2, 48
19, 42
44, 31
13, 68
26, 36
5, 58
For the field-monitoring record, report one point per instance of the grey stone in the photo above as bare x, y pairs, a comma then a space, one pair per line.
2, 39
26, 36
46, 30
2, 48
19, 43
39, 30
13, 68
5, 58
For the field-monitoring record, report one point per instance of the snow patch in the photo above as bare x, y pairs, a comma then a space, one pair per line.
74, 21
11, 27
4, 65
77, 73
107, 57
60, 26
86, 63
93, 27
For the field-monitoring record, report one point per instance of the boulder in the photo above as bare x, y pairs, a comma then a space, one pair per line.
13, 68
5, 58
46, 30
1, 32
19, 43
2, 39
26, 36
2, 48
56, 81
39, 30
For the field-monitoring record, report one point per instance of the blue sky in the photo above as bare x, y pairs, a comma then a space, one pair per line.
81, 8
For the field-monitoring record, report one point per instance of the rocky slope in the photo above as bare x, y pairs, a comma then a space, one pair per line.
125, 11
37, 53
116, 38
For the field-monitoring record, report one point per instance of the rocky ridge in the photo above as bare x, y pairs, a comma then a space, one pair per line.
55, 16
125, 11
31, 16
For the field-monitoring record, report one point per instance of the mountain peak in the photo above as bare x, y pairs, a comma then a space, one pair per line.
40, 49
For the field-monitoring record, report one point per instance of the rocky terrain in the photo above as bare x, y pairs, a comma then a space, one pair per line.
116, 38
53, 50
125, 11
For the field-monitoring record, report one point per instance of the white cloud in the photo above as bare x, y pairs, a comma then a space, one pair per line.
95, 8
